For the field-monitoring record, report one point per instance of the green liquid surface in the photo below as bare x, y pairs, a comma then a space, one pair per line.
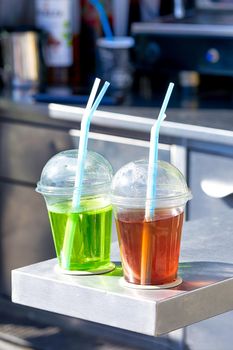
89, 248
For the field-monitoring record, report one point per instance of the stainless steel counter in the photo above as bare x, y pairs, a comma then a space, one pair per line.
206, 289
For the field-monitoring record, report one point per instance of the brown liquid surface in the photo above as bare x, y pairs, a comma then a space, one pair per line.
150, 250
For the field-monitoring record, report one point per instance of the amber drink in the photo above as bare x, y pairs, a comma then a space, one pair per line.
82, 235
149, 248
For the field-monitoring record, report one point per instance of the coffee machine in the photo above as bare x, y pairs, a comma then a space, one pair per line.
192, 43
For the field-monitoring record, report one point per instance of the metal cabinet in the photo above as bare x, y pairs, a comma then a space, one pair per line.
25, 236
24, 228
211, 182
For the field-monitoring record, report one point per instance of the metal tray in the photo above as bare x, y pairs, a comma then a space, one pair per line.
206, 291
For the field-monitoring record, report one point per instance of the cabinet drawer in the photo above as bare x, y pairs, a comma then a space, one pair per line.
24, 150
26, 237
211, 182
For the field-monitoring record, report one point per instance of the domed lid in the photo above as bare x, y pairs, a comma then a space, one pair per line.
58, 175
129, 186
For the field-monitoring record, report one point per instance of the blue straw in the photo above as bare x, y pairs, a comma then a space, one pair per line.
103, 19
85, 125
153, 157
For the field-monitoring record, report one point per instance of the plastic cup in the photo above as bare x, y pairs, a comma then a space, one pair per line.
92, 221
114, 63
149, 249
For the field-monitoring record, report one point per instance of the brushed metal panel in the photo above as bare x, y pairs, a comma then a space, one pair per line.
24, 227
25, 149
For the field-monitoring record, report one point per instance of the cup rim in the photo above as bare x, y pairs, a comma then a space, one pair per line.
68, 191
118, 42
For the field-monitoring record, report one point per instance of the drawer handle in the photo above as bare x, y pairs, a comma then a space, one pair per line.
117, 139
216, 189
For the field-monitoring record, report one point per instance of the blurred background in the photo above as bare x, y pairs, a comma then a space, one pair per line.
186, 41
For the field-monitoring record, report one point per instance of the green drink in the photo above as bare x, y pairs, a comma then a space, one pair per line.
92, 235
81, 231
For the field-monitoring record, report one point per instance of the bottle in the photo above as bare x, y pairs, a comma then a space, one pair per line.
90, 31
59, 20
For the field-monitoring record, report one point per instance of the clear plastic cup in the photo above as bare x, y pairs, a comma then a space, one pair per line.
90, 240
149, 249
114, 63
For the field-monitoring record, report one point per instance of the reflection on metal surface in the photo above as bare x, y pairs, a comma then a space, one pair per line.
201, 274
216, 188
